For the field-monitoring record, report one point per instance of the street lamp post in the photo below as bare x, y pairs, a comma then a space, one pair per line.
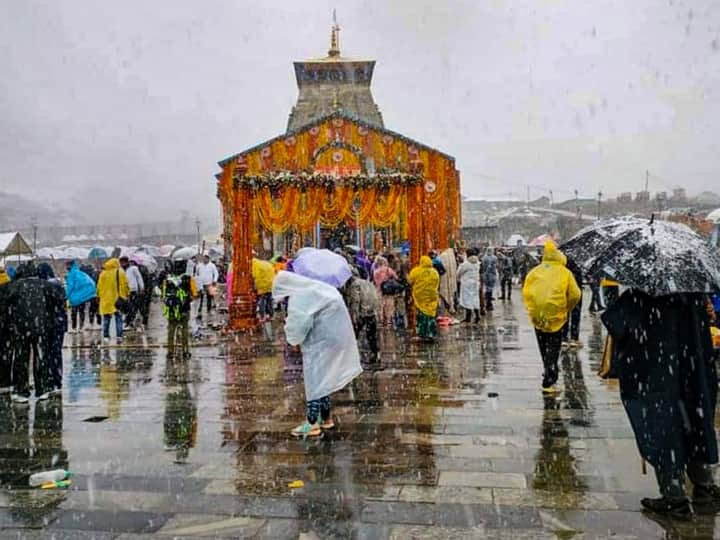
197, 227
34, 229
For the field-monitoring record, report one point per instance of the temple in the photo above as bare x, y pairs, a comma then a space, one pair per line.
337, 176
334, 83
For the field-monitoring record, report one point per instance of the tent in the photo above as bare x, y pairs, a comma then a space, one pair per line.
13, 244
515, 240
540, 240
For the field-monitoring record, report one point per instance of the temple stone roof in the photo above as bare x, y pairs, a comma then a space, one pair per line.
334, 83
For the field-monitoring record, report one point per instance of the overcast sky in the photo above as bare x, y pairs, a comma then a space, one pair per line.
120, 110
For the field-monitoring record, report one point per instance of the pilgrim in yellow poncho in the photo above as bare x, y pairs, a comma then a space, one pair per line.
263, 274
425, 282
550, 291
112, 284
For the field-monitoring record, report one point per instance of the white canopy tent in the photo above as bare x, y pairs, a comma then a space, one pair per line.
13, 244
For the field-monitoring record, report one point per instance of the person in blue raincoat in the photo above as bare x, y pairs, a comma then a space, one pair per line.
319, 323
80, 289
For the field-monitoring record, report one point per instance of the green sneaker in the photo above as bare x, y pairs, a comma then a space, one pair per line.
306, 430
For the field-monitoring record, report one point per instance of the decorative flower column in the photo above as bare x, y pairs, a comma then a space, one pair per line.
242, 309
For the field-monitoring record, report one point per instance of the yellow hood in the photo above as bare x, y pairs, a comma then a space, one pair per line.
111, 264
550, 291
551, 254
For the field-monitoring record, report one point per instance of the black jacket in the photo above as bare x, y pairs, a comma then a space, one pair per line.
668, 380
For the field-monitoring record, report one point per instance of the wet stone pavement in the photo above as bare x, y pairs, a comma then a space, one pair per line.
452, 440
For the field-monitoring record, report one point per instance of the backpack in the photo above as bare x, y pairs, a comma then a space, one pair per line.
147, 279
439, 267
176, 300
391, 287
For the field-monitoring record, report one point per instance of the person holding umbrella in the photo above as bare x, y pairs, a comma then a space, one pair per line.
668, 384
319, 324
550, 294
663, 350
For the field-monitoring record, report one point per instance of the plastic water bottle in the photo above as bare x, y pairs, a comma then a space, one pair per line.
48, 477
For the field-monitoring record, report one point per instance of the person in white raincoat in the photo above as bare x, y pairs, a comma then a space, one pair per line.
469, 275
318, 321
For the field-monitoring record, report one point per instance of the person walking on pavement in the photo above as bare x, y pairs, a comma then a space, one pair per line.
610, 291
6, 336
424, 281
94, 317
384, 273
550, 293
469, 274
177, 295
319, 324
52, 342
263, 273
136, 286
191, 267
31, 321
113, 292
571, 330
206, 276
448, 280
506, 275
489, 264
145, 298
362, 300
80, 290
668, 385
596, 300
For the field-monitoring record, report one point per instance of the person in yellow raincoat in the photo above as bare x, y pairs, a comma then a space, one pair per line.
263, 273
4, 278
550, 293
425, 283
610, 291
112, 285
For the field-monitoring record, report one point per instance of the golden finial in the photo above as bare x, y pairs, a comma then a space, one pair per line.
334, 38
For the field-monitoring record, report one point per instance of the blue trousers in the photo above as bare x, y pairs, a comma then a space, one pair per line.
118, 325
318, 408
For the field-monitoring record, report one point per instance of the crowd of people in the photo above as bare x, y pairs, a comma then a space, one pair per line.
661, 347
441, 286
37, 309
382, 291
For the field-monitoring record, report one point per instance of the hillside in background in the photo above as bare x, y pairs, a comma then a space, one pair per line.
18, 212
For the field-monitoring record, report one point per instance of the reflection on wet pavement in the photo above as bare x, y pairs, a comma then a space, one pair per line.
452, 440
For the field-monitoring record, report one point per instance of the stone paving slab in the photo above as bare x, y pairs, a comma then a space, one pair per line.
110, 520
56, 534
482, 479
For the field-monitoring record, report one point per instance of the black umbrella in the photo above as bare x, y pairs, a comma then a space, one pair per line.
587, 245
659, 258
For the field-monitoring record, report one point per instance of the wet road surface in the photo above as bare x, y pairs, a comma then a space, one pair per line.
452, 440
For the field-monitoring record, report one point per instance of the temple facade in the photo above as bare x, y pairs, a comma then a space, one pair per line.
337, 176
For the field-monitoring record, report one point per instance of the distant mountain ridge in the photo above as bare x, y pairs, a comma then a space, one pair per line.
17, 212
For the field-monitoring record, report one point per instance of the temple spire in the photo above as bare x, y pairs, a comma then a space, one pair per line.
334, 38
